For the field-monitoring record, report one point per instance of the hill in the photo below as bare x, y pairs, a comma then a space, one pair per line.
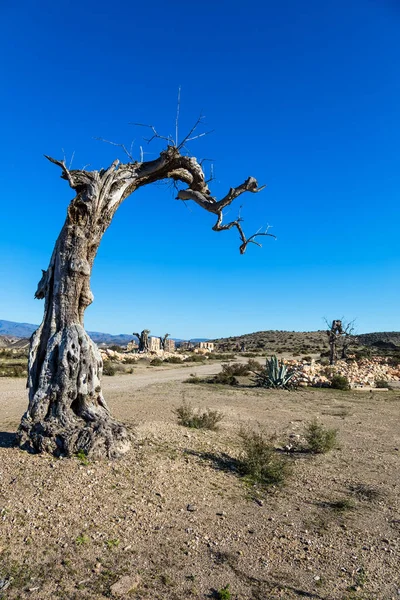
302, 341
12, 329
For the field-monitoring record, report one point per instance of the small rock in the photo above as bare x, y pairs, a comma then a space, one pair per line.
125, 585
191, 507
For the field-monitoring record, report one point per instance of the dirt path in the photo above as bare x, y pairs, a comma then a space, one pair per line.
14, 396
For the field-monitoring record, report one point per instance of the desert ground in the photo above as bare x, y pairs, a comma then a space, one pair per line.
173, 519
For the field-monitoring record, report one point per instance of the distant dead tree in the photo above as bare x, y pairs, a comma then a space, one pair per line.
67, 412
163, 341
348, 337
339, 333
143, 338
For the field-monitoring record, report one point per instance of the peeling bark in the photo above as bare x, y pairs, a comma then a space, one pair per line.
67, 411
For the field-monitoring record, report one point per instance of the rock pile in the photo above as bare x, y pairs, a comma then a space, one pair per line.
363, 373
129, 357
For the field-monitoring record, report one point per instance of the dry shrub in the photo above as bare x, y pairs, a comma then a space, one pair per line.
319, 438
188, 417
259, 461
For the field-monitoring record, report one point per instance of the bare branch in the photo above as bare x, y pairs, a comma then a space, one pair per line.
188, 137
177, 116
155, 134
61, 163
129, 155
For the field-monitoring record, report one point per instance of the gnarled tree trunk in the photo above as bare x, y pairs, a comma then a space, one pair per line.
67, 411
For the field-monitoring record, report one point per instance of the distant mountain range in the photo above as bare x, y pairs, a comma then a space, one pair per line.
25, 330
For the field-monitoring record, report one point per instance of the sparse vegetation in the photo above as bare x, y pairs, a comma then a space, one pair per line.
319, 439
341, 505
82, 457
259, 461
195, 419
223, 594
81, 540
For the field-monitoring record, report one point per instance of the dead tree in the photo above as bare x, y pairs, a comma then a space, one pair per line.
334, 334
143, 338
348, 337
67, 411
163, 341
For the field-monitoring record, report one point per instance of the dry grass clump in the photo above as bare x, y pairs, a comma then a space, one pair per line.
259, 461
319, 439
189, 417
156, 362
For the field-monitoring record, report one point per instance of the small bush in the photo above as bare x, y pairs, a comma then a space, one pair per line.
254, 365
225, 356
340, 382
109, 369
156, 362
174, 360
381, 383
195, 358
259, 461
82, 457
223, 594
319, 438
307, 358
188, 417
130, 361
194, 379
341, 505
228, 374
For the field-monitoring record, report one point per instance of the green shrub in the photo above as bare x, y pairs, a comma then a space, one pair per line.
340, 382
319, 439
259, 461
223, 594
381, 383
188, 417
109, 369
156, 362
224, 356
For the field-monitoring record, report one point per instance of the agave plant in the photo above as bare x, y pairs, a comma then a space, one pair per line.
275, 375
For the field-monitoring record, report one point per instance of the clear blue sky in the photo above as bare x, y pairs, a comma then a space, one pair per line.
304, 96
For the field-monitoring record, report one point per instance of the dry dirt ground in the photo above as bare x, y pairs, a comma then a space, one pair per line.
172, 520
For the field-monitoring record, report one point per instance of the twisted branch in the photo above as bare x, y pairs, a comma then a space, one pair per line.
123, 179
